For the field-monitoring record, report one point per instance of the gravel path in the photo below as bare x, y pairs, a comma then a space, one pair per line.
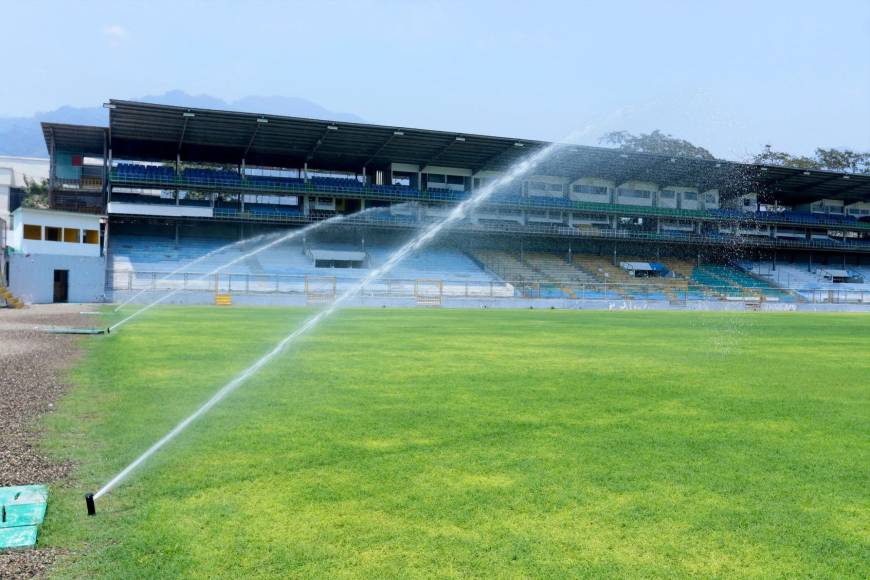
31, 372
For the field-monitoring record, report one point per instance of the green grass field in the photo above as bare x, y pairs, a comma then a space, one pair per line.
438, 443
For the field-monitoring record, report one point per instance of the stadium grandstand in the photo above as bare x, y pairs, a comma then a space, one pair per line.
169, 185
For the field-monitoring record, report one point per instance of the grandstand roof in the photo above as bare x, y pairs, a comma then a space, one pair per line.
85, 139
160, 132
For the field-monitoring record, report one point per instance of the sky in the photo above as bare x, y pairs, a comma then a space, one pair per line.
728, 75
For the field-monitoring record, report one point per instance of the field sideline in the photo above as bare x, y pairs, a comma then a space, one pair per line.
481, 443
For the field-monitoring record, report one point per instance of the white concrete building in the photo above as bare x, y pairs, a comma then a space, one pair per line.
56, 256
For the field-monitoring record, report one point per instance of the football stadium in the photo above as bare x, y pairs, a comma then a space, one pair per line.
151, 202
317, 348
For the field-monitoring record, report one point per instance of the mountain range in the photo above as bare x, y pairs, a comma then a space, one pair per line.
22, 136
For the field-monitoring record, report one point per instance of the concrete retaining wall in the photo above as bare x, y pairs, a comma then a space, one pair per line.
31, 277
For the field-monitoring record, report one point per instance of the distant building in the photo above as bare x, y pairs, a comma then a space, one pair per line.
56, 256
13, 170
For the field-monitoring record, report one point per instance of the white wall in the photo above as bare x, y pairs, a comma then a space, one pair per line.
541, 186
31, 277
686, 202
460, 171
746, 203
858, 209
668, 202
834, 206
19, 167
637, 185
57, 219
545, 216
122, 207
588, 197
711, 199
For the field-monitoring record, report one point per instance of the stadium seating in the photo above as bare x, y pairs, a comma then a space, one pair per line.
150, 257
732, 281
807, 283
135, 171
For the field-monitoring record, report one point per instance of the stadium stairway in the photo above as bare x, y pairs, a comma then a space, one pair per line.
695, 288
507, 267
10, 300
745, 283
560, 272
675, 287
605, 272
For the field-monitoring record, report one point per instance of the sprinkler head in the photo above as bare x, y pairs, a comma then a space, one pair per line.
108, 330
89, 501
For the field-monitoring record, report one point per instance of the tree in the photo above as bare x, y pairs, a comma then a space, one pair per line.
35, 193
844, 160
769, 156
841, 160
655, 142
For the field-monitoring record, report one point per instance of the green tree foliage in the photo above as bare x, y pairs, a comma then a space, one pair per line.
842, 160
655, 142
36, 193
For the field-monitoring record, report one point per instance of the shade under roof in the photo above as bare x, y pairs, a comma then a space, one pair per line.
161, 132
83, 139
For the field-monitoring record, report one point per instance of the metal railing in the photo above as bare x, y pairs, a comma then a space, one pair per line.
508, 201
285, 284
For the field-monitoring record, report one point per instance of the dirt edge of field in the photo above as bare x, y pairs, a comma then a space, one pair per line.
33, 367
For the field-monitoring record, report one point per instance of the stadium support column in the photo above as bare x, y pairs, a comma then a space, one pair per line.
810, 263
52, 165
109, 176
305, 205
773, 262
105, 188
242, 195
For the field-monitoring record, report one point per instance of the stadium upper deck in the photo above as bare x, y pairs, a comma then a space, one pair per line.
194, 164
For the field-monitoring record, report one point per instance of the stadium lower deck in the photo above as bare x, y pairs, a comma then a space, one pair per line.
484, 268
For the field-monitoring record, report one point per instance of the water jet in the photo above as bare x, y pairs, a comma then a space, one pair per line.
424, 237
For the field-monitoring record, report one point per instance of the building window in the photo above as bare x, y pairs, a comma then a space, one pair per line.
52, 234
545, 186
710, 198
72, 235
690, 196
589, 189
92, 237
32, 232
635, 193
667, 194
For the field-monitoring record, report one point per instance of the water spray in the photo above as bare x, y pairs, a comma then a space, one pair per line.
193, 262
285, 238
424, 237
